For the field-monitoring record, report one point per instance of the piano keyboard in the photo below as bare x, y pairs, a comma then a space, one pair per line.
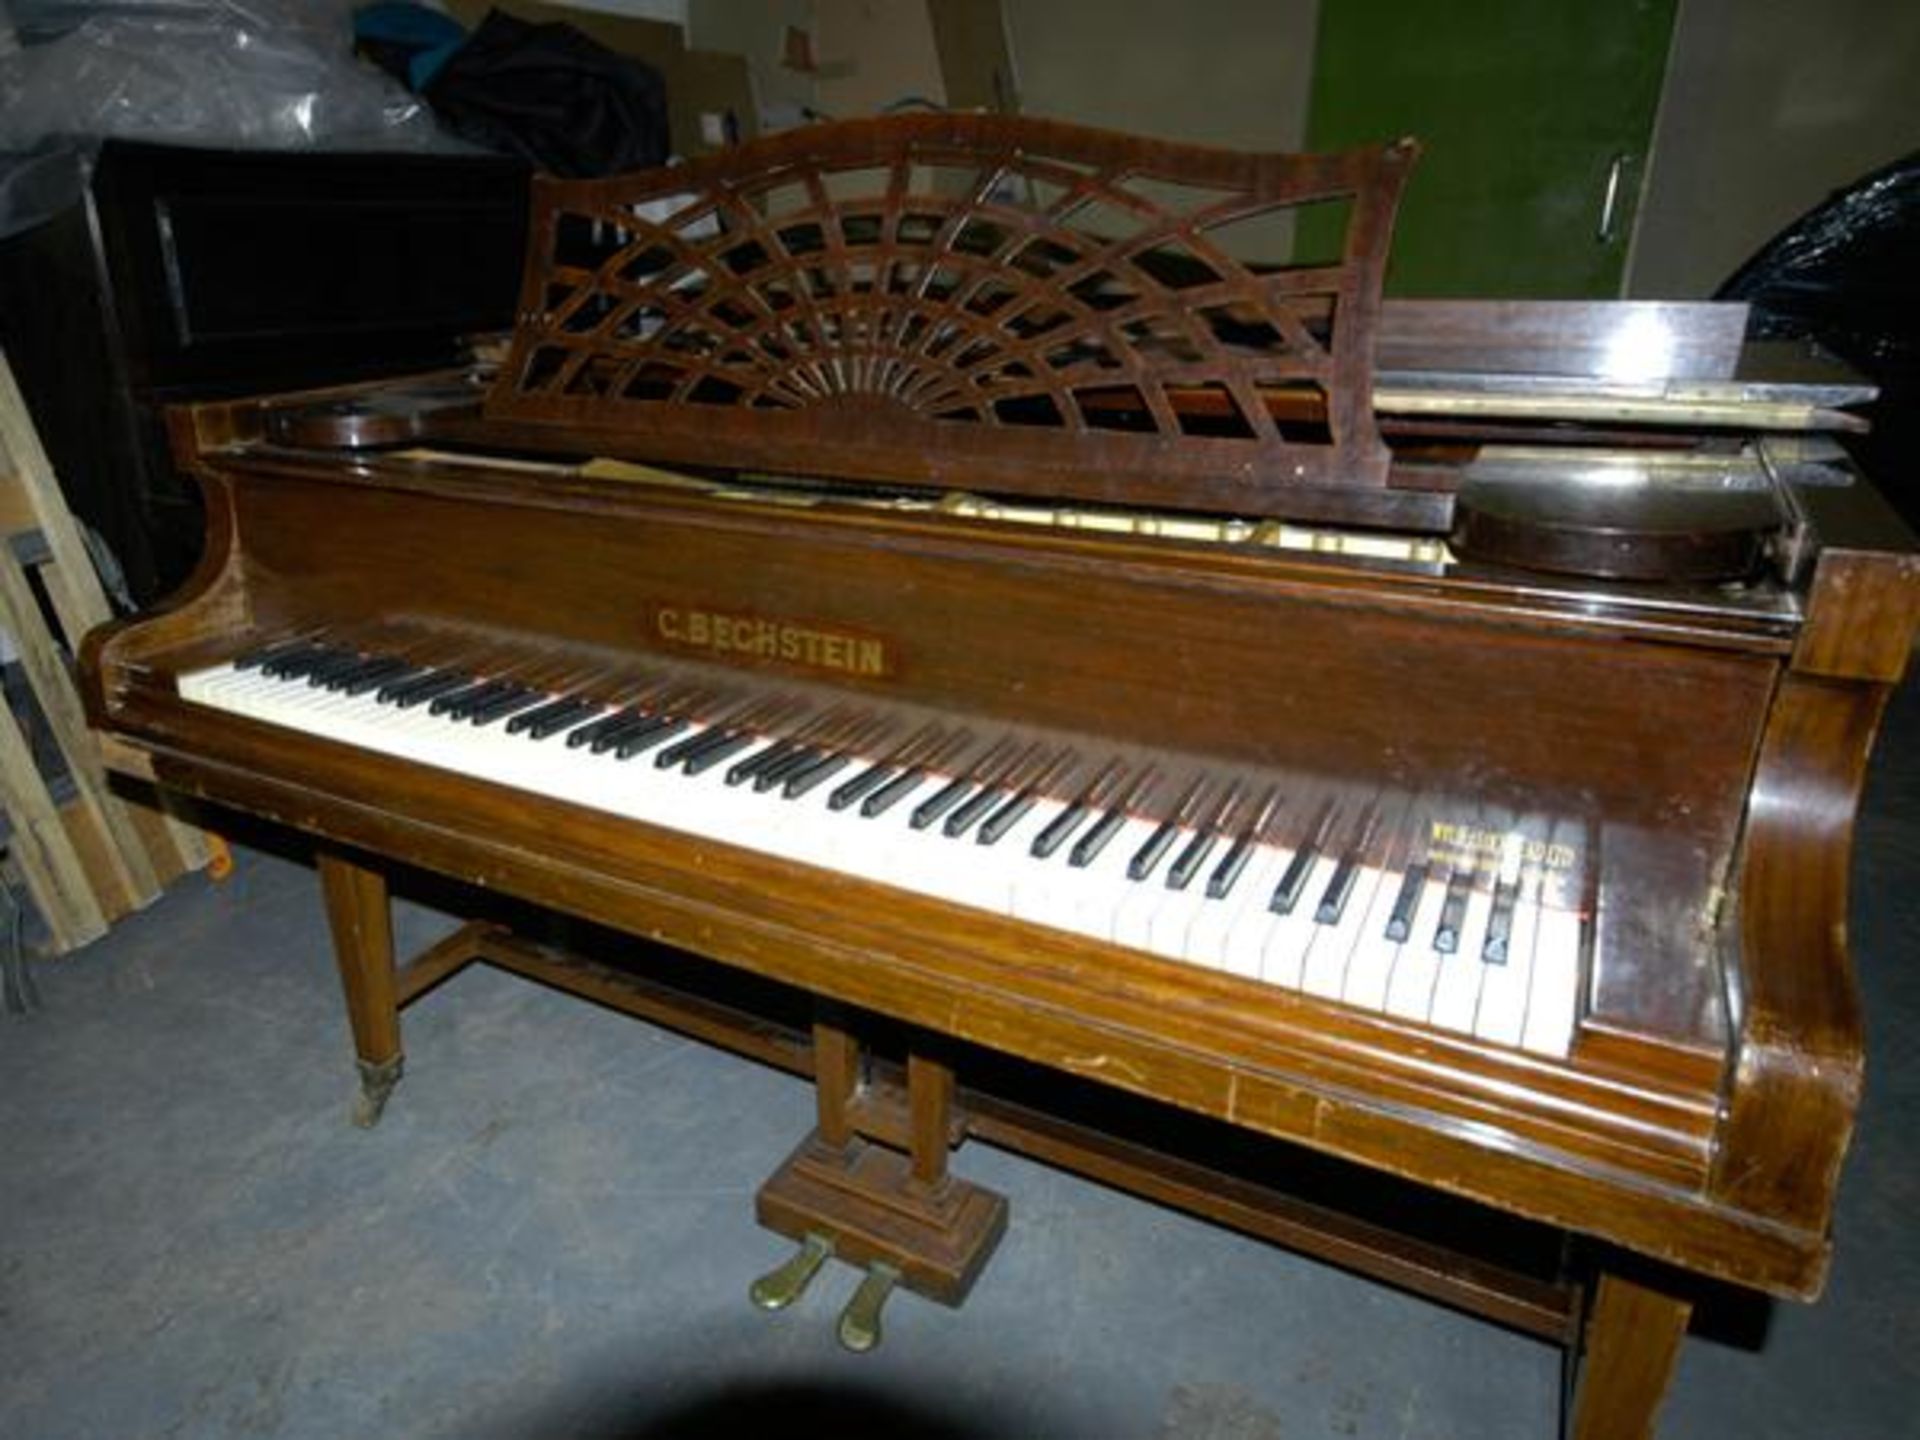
1360, 909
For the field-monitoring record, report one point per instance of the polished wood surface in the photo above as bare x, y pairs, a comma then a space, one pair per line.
1632, 1340
362, 924
1701, 746
1656, 714
975, 300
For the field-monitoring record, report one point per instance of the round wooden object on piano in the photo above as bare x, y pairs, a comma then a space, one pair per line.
373, 419
1607, 530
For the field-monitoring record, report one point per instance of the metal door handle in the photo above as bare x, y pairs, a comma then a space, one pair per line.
1610, 200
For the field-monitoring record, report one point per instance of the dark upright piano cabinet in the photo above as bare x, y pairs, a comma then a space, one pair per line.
188, 274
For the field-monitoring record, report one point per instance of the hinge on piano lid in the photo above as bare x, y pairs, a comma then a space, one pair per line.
1790, 462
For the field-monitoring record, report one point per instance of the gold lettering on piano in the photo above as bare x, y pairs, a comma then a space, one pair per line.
734, 635
1480, 846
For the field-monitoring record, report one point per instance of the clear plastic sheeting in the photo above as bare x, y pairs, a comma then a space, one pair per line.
269, 74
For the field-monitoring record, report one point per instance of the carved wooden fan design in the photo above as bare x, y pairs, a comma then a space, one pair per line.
981, 301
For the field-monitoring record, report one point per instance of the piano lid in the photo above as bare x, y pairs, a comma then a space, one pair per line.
971, 301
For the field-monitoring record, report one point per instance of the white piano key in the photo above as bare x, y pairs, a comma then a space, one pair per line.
1371, 966
1284, 955
1531, 1001
1456, 989
1174, 918
1502, 1016
1553, 1007
1331, 949
1214, 940
1417, 967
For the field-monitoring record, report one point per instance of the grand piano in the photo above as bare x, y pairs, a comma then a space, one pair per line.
921, 567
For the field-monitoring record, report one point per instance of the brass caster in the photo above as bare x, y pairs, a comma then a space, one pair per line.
780, 1287
376, 1084
860, 1321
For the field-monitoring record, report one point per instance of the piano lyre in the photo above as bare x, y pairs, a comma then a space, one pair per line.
1057, 638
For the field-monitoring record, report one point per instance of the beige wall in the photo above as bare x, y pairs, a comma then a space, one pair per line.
1769, 106
872, 53
1226, 72
757, 29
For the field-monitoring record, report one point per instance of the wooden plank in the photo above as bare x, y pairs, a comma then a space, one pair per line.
56, 878
98, 858
72, 584
16, 510
151, 826
32, 492
124, 857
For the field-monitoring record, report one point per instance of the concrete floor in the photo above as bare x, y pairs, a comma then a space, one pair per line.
550, 1235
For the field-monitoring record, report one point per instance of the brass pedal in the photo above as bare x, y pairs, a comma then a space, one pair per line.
860, 1322
780, 1287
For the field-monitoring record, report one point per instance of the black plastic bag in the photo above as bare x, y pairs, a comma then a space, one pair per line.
1845, 272
549, 93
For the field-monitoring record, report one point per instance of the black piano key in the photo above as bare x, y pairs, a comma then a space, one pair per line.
297, 663
439, 683
1406, 904
1058, 831
462, 703
1333, 901
1227, 873
751, 767
592, 732
729, 744
514, 698
559, 711
341, 664
455, 703
813, 774
1148, 855
1087, 849
260, 655
332, 677
638, 739
371, 670
1453, 912
860, 786
1286, 894
1006, 817
963, 817
571, 715
777, 772
941, 801
1500, 923
1188, 864
691, 746
373, 677
891, 793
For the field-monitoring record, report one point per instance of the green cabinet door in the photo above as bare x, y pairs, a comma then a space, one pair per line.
1530, 112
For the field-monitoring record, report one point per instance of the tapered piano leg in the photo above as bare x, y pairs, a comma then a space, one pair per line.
1633, 1336
362, 923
